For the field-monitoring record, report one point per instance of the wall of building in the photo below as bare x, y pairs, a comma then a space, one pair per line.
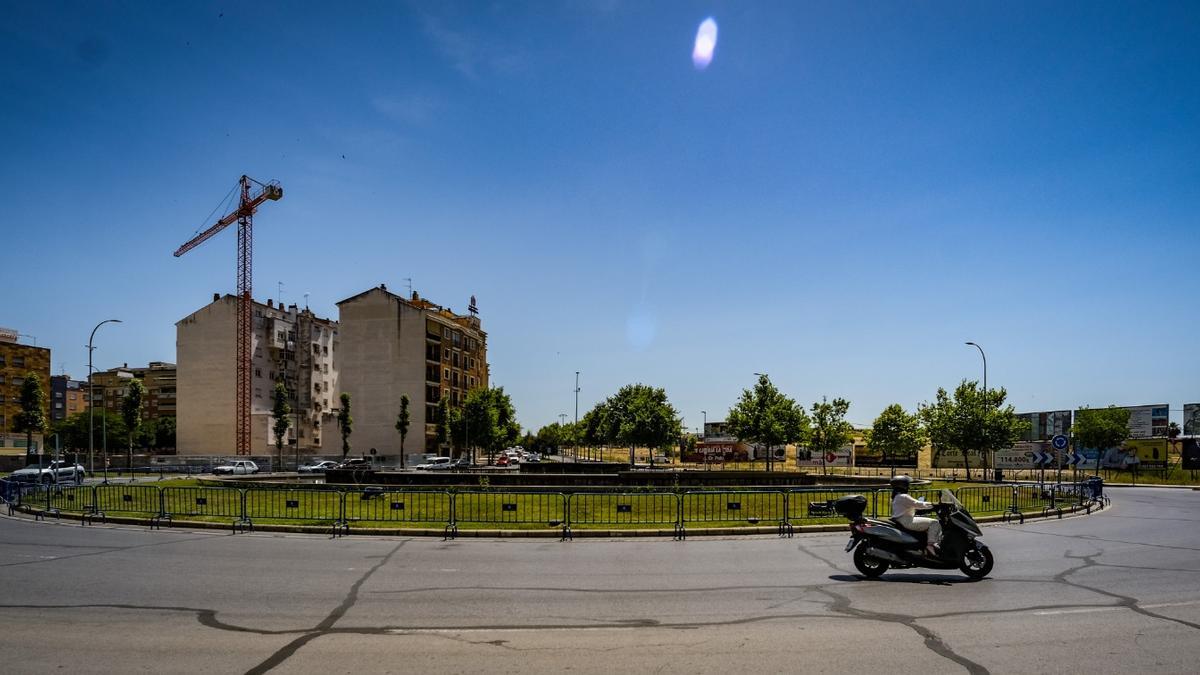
17, 361
382, 356
205, 350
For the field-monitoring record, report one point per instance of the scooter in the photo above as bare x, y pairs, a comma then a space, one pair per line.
882, 544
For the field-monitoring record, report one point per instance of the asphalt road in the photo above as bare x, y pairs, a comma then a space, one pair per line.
1113, 592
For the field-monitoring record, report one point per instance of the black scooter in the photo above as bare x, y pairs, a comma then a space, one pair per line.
882, 544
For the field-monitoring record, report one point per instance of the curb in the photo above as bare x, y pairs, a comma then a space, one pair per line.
549, 532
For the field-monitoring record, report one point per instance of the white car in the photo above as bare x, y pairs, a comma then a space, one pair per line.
236, 467
316, 467
56, 472
435, 464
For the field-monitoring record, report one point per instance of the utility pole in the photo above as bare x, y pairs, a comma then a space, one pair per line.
576, 409
985, 401
92, 400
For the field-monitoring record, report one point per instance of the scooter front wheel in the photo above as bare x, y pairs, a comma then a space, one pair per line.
977, 562
870, 566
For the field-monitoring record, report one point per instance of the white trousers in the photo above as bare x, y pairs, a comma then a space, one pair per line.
929, 525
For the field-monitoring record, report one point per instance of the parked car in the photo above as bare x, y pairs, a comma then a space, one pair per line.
355, 463
236, 467
435, 464
502, 460
462, 463
316, 467
55, 472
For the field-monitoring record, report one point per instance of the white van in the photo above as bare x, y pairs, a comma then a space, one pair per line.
435, 464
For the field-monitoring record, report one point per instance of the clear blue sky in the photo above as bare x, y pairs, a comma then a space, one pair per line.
847, 194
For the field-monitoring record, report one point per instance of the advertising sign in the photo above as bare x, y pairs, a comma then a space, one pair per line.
1144, 453
1191, 454
1046, 425
1191, 419
1148, 421
953, 459
806, 457
1023, 455
718, 451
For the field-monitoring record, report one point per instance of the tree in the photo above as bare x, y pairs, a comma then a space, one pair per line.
345, 424
402, 424
830, 432
766, 417
896, 434
441, 420
32, 418
131, 413
1101, 428
486, 420
164, 433
280, 411
639, 416
971, 422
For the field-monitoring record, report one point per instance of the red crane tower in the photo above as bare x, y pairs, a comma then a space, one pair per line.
244, 215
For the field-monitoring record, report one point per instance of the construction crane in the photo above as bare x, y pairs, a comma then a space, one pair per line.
244, 216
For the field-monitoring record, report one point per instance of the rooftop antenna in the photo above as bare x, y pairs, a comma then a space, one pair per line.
31, 337
408, 282
306, 301
279, 292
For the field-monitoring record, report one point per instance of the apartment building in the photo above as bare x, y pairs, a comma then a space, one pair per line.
109, 388
18, 361
290, 345
67, 397
391, 346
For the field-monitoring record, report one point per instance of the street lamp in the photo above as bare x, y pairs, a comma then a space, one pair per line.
704, 429
574, 447
985, 399
760, 375
92, 400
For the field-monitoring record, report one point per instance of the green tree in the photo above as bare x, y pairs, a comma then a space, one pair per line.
402, 423
280, 411
1100, 428
830, 430
896, 435
971, 422
766, 417
487, 419
32, 417
164, 433
442, 420
345, 424
640, 416
131, 413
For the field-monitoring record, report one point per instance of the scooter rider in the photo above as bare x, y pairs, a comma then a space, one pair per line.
904, 511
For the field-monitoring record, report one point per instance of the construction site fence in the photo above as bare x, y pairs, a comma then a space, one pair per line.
642, 508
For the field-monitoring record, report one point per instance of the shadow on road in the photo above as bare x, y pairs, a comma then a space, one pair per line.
931, 579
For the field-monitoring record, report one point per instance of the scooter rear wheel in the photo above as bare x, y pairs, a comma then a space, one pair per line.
977, 563
870, 566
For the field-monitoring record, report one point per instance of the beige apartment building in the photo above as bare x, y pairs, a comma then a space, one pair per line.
392, 346
18, 361
289, 344
109, 388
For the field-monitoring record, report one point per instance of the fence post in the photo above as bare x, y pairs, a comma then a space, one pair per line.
162, 503
243, 516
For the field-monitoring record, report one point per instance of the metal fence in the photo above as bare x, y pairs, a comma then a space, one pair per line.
341, 507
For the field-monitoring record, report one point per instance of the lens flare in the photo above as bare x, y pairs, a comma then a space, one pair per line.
706, 44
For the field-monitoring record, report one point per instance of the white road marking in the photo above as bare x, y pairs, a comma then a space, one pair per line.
539, 629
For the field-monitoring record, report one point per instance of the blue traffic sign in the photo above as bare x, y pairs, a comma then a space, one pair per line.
1059, 442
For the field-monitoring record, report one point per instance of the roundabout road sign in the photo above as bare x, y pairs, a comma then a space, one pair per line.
1059, 442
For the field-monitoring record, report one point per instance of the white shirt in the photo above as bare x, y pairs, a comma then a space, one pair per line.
904, 506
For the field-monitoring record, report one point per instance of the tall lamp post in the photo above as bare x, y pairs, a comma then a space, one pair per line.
576, 447
985, 389
92, 400
769, 456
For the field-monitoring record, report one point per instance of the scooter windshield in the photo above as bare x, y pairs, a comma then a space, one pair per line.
949, 498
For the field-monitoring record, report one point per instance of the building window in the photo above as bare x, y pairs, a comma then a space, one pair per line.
446, 374
18, 381
455, 360
1, 399
446, 332
258, 393
1, 359
258, 372
58, 404
1, 376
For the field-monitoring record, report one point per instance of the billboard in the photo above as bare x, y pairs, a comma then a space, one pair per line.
1191, 419
723, 450
1042, 426
949, 458
1021, 455
1145, 453
1147, 421
843, 457
1191, 454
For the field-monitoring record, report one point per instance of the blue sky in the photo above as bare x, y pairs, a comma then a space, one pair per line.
846, 195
